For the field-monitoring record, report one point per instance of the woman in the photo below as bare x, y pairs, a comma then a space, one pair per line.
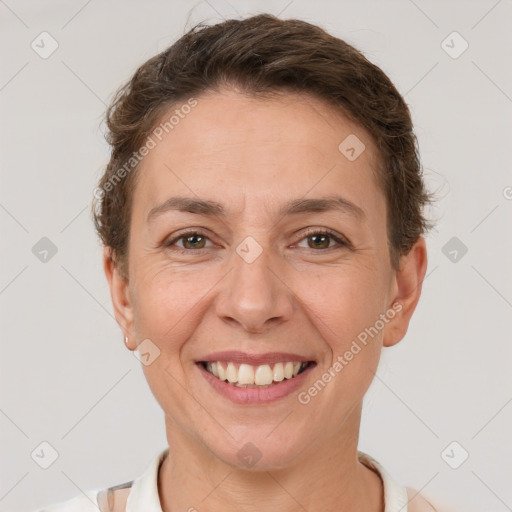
262, 220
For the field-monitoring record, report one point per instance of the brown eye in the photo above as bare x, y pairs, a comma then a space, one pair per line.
190, 241
321, 240
195, 241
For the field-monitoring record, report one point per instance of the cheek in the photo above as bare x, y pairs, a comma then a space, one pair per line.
344, 302
167, 310
344, 308
167, 301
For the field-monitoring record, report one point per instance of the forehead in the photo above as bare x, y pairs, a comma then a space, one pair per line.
285, 145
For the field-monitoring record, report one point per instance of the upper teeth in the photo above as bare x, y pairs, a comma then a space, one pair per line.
247, 374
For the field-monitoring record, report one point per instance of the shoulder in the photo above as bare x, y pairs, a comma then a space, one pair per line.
400, 498
86, 502
137, 493
419, 503
111, 499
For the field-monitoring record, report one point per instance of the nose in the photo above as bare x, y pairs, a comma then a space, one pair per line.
255, 296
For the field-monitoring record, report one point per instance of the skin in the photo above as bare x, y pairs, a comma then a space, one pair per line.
253, 155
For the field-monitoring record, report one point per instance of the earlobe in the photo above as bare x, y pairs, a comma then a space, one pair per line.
120, 296
407, 287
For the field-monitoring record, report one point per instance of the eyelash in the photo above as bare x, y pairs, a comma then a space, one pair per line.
322, 232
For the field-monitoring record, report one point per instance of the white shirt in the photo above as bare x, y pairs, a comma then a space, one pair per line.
143, 493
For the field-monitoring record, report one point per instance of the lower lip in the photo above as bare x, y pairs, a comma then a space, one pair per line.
240, 395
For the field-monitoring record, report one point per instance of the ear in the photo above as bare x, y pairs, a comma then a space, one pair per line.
120, 295
406, 291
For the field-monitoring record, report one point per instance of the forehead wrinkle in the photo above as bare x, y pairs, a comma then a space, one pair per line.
298, 206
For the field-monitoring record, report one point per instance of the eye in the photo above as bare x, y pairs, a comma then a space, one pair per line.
321, 240
192, 240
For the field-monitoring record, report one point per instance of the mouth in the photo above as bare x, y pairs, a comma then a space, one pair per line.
250, 376
252, 379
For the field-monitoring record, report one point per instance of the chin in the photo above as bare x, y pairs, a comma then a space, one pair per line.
258, 453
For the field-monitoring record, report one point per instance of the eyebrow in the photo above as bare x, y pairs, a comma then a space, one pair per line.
293, 207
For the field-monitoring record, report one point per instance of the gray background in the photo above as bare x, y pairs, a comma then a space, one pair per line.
66, 377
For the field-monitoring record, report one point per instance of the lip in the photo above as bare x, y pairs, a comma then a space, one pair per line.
254, 396
238, 357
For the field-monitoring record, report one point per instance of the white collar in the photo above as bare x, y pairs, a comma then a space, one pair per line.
144, 490
395, 495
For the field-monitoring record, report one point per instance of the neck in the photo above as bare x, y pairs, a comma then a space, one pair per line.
327, 475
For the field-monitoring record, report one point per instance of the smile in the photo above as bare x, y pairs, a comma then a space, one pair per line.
250, 376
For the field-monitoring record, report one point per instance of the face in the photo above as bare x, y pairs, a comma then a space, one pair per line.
264, 272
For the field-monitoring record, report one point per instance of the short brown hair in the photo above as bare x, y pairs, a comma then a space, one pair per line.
261, 55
